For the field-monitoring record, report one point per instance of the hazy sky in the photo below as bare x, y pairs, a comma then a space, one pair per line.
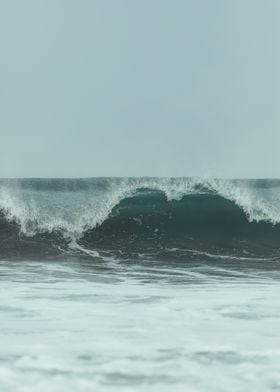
140, 87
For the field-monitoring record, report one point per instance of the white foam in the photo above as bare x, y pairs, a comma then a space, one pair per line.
71, 327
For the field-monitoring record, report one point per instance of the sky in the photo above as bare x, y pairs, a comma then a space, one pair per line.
139, 88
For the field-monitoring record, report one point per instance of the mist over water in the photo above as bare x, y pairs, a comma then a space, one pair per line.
139, 284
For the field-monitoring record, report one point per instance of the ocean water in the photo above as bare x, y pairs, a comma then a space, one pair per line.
139, 284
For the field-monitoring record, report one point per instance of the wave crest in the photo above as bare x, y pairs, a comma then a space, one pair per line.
74, 206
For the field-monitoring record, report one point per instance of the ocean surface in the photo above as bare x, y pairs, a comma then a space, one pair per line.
139, 284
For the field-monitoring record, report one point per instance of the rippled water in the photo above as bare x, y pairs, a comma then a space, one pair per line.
81, 325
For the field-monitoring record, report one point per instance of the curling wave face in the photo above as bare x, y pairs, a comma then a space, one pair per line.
139, 215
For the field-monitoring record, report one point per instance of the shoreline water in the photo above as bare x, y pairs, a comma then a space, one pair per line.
73, 326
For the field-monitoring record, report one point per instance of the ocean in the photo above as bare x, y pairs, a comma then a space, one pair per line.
139, 284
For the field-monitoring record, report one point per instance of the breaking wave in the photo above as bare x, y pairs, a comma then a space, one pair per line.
136, 214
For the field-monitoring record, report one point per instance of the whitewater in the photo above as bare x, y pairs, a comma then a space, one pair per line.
139, 284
